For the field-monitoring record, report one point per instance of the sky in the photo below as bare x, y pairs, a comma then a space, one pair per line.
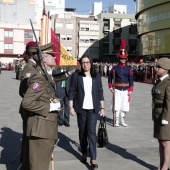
85, 6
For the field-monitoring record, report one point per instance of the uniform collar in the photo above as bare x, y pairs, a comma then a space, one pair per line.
122, 65
164, 77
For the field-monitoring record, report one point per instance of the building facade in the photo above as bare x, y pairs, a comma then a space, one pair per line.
64, 26
113, 28
153, 18
15, 28
88, 37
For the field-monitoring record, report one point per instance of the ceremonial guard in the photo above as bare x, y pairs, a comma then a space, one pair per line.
120, 82
161, 111
42, 105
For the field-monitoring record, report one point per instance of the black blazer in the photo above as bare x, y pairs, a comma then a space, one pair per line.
76, 92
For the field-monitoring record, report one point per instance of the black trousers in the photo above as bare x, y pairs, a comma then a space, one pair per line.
87, 121
64, 116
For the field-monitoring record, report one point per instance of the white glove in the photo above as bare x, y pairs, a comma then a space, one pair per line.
71, 71
55, 106
164, 122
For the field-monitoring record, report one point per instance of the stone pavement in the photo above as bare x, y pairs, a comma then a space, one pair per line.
131, 148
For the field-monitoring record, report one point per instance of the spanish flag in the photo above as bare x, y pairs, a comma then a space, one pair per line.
47, 35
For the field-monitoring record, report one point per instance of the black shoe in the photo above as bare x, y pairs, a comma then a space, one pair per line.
94, 166
84, 159
67, 124
60, 124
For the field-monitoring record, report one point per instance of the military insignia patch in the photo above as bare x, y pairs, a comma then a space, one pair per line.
36, 86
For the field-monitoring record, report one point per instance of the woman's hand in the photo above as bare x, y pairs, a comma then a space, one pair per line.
72, 111
102, 112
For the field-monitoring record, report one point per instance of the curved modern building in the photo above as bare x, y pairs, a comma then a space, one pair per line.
153, 20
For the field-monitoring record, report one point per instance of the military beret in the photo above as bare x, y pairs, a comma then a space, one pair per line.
164, 63
31, 43
31, 46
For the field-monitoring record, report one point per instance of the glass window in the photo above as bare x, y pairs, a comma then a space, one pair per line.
117, 26
106, 34
28, 35
69, 49
69, 26
58, 25
8, 33
63, 37
8, 1
84, 27
69, 37
94, 27
88, 38
8, 46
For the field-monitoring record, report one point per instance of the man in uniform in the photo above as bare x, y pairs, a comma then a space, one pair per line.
32, 66
42, 106
120, 82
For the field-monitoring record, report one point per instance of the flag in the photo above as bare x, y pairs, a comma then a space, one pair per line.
47, 35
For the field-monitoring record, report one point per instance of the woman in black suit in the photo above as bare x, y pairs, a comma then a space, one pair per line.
86, 99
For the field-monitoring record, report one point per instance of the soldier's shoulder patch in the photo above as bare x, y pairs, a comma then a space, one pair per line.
36, 86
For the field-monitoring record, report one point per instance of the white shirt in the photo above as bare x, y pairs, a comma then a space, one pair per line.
164, 77
88, 100
49, 72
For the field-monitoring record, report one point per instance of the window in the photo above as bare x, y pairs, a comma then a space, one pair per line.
8, 1
58, 25
106, 26
67, 16
69, 49
58, 36
88, 38
69, 37
84, 27
106, 34
8, 46
84, 38
63, 37
117, 35
94, 27
28, 35
8, 33
117, 26
69, 26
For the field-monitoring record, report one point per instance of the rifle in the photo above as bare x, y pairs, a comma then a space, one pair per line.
113, 100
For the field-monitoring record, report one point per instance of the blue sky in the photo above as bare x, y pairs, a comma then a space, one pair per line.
84, 6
